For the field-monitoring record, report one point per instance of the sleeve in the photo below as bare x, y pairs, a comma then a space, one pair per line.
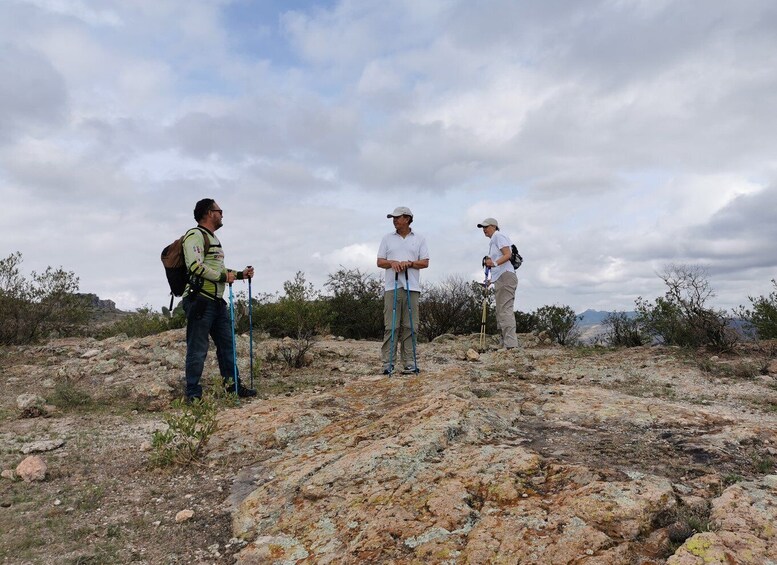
383, 249
193, 253
423, 250
501, 241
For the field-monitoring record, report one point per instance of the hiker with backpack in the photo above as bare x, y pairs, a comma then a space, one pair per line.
206, 310
402, 253
503, 277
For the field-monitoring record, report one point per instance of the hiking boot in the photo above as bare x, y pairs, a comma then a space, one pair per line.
410, 369
245, 392
242, 391
387, 370
190, 399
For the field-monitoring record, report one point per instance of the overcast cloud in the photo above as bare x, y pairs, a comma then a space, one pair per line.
609, 138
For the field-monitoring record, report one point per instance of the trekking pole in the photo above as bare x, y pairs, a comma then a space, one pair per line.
250, 333
412, 330
232, 323
485, 309
393, 324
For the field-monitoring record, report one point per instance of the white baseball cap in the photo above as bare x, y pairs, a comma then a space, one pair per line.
488, 222
400, 211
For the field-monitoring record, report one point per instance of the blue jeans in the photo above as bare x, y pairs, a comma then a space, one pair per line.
206, 317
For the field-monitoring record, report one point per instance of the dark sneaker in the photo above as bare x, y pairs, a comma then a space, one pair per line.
409, 370
245, 392
388, 370
242, 391
190, 399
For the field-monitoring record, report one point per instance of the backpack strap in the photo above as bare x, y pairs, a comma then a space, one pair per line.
197, 288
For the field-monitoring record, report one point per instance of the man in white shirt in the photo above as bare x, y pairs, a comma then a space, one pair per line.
503, 278
402, 253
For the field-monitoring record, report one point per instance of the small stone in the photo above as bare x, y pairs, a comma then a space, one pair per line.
8, 474
44, 445
57, 502
32, 468
472, 355
91, 353
184, 515
30, 401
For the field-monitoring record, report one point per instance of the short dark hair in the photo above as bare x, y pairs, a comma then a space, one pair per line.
202, 207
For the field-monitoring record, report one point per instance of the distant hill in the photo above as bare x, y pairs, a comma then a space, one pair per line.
102, 311
596, 317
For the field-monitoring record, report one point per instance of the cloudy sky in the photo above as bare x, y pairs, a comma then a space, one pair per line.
609, 138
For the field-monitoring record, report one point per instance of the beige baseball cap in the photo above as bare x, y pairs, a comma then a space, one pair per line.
400, 211
488, 222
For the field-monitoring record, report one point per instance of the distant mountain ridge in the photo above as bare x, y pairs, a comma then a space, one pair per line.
597, 317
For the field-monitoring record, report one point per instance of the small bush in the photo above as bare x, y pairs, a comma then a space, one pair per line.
762, 316
559, 322
143, 322
763, 464
67, 395
46, 304
525, 322
454, 306
623, 330
300, 313
356, 304
293, 352
682, 317
689, 520
731, 479
186, 435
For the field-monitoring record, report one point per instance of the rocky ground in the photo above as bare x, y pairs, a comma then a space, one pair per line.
549, 455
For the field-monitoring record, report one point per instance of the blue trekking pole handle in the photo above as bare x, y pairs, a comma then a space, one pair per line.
250, 333
232, 323
412, 329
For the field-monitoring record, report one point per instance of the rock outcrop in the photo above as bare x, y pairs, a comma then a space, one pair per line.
534, 457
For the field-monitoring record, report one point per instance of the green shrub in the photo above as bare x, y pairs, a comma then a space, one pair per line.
141, 323
763, 315
187, 433
67, 395
300, 313
688, 520
525, 322
682, 317
356, 304
455, 306
623, 330
293, 351
46, 304
559, 322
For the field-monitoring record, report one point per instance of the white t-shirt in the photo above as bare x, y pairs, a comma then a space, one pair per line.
394, 247
498, 241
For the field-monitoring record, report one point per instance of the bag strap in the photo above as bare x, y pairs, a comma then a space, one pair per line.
196, 289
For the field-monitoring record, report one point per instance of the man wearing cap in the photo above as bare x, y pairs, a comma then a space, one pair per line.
401, 251
503, 278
